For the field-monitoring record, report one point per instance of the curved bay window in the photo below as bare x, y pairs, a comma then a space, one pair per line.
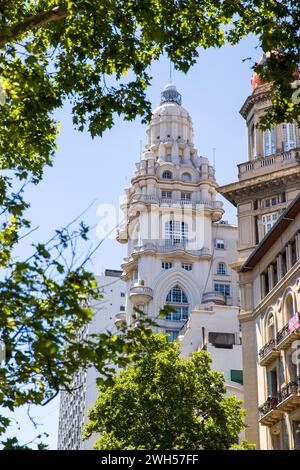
175, 232
177, 299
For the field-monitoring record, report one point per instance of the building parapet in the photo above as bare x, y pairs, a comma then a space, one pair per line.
275, 162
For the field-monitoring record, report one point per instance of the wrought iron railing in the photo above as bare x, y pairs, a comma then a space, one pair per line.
268, 347
292, 388
283, 333
269, 405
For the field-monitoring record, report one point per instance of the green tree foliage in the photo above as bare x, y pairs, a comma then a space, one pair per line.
161, 401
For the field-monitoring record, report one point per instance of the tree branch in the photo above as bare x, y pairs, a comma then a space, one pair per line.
31, 22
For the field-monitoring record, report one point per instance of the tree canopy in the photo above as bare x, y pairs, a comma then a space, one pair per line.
164, 402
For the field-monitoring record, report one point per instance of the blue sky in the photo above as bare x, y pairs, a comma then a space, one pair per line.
87, 170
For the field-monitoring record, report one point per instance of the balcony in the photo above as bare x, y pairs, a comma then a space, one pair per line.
268, 353
289, 333
216, 297
206, 204
183, 246
289, 396
271, 163
120, 319
268, 412
140, 294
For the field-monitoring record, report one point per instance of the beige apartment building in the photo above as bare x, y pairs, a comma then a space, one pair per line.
270, 293
268, 252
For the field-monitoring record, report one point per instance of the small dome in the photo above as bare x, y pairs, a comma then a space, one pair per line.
256, 79
170, 95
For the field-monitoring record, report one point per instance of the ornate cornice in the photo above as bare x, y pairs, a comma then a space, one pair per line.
256, 97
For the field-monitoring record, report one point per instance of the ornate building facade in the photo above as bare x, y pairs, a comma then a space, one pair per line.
268, 185
178, 248
270, 285
269, 180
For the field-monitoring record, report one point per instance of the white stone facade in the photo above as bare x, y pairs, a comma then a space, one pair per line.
173, 230
179, 249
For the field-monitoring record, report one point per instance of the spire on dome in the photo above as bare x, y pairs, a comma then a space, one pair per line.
170, 95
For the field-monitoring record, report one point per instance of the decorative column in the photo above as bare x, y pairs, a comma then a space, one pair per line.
263, 285
279, 266
297, 239
271, 276
288, 256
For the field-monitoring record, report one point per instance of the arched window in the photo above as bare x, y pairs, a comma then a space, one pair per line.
289, 135
175, 232
222, 269
270, 333
177, 299
289, 307
167, 175
186, 177
269, 141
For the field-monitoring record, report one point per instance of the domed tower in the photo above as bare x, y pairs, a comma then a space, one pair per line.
270, 178
171, 216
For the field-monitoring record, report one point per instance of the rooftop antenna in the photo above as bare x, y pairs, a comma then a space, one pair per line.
170, 72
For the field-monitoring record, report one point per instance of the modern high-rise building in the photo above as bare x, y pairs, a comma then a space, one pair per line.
268, 186
74, 406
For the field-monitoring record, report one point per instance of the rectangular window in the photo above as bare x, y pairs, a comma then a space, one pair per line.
270, 141
185, 196
166, 265
187, 267
166, 194
122, 294
294, 253
223, 289
236, 376
122, 308
274, 200
272, 383
181, 313
220, 244
176, 232
221, 340
289, 136
268, 220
